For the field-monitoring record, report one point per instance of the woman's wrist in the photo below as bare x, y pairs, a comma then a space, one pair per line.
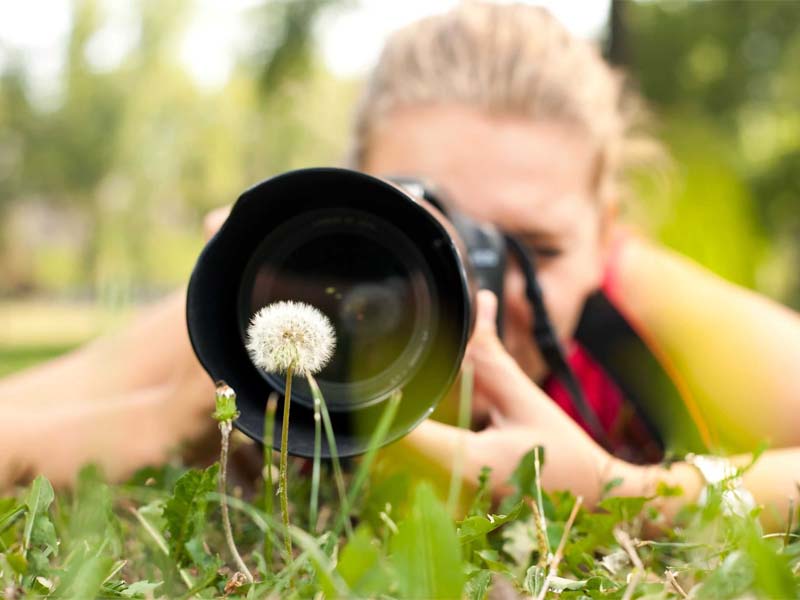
645, 480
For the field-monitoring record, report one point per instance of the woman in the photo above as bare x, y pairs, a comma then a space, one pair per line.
527, 128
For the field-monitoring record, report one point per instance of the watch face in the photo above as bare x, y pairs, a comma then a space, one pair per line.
721, 473
714, 469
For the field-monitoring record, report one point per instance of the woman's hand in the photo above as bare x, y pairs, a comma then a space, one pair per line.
521, 416
122, 401
214, 220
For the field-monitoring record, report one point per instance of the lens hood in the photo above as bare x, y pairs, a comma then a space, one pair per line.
384, 267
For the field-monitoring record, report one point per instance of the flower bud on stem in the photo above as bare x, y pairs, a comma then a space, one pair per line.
225, 413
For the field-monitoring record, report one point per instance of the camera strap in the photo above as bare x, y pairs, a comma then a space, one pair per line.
549, 345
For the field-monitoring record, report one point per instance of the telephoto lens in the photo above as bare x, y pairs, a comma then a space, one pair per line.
387, 270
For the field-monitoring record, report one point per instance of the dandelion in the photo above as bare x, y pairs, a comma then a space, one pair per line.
292, 335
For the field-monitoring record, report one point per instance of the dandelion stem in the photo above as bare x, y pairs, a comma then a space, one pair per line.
284, 466
225, 428
314, 504
269, 487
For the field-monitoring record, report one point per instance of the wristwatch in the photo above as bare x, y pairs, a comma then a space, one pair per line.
721, 474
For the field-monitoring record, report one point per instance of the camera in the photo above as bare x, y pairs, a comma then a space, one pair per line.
389, 262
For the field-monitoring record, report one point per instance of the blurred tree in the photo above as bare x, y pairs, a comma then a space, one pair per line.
63, 155
287, 53
139, 152
729, 72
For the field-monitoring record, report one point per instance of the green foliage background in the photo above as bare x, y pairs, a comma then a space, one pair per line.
722, 79
102, 195
102, 191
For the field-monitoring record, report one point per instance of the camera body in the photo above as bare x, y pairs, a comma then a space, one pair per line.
393, 267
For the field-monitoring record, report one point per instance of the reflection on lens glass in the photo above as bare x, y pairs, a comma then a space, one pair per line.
368, 279
350, 279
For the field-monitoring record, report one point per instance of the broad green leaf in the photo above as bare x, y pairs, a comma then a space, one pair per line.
44, 534
185, 511
42, 585
8, 518
39, 537
332, 584
534, 579
482, 500
426, 552
473, 528
477, 585
39, 561
359, 564
524, 476
772, 573
7, 505
85, 577
559, 584
554, 531
494, 562
384, 492
38, 501
140, 588
17, 562
732, 579
113, 589
93, 519
199, 556
623, 508
9, 515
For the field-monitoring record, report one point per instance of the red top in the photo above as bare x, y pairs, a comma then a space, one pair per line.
628, 435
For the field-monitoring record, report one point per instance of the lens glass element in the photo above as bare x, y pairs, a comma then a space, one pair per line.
368, 278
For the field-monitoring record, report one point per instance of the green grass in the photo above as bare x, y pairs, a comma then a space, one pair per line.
17, 358
160, 535
37, 330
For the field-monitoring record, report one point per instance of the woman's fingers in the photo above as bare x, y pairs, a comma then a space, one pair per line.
499, 381
431, 450
214, 220
486, 314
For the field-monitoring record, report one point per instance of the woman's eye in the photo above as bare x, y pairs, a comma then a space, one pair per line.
546, 251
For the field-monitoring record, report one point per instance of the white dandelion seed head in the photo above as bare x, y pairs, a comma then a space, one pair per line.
287, 334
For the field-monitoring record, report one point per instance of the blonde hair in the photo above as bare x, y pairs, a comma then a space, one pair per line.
508, 59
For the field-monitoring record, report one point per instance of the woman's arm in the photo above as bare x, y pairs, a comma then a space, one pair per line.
735, 354
523, 416
122, 401
772, 481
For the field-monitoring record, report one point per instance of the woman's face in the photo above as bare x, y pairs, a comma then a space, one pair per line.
531, 179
